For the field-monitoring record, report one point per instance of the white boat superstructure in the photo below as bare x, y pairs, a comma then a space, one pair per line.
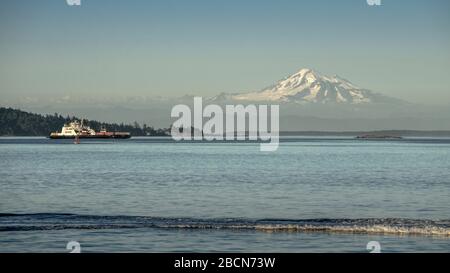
74, 128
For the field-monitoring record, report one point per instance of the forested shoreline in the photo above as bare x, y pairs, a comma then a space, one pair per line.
15, 122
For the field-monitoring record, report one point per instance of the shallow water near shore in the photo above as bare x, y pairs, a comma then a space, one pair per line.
319, 194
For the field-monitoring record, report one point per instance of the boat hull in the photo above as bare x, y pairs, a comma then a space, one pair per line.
115, 136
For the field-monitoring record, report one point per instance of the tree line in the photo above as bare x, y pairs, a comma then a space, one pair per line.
15, 122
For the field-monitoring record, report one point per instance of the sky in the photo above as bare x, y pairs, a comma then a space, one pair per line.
116, 48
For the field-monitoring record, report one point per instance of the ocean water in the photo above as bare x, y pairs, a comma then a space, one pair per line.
315, 194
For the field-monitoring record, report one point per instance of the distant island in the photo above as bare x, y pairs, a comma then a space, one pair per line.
378, 136
15, 122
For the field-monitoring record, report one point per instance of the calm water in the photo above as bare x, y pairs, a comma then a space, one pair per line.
153, 195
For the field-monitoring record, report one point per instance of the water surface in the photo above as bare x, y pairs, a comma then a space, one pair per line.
153, 194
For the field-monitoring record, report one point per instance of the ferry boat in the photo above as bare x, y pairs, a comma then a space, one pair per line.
77, 130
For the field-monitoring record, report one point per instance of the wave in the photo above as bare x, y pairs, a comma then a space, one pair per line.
59, 221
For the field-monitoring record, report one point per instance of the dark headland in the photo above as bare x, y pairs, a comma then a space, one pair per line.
15, 122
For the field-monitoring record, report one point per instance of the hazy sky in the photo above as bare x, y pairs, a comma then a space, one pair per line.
171, 48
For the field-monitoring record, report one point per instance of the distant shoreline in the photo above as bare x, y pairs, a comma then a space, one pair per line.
17, 123
401, 133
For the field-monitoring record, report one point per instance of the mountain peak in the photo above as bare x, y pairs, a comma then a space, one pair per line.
303, 71
309, 86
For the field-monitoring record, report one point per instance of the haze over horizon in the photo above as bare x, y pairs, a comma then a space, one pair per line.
117, 49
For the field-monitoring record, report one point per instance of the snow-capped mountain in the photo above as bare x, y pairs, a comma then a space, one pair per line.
309, 86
